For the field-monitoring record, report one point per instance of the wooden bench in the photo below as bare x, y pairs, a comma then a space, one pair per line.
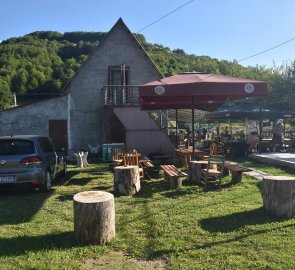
172, 175
236, 171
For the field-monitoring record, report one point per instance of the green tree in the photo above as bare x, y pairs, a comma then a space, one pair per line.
6, 97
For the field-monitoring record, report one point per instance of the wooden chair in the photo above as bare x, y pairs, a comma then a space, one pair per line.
213, 173
117, 159
133, 159
213, 150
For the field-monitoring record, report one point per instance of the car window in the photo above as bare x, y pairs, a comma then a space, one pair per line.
46, 145
16, 147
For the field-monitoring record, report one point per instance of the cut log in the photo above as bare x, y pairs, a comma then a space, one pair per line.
195, 167
278, 194
94, 217
126, 180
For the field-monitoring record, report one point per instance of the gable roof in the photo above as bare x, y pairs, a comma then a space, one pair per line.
119, 23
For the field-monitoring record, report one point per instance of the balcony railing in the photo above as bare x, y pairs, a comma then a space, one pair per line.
120, 95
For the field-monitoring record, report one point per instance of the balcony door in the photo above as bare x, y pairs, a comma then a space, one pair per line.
119, 81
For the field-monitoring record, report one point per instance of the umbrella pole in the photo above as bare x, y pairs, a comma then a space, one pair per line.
246, 128
193, 126
260, 131
176, 119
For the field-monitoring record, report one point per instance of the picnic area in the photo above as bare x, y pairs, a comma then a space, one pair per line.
158, 227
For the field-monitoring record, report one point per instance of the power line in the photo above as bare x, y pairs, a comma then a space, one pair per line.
161, 18
281, 44
243, 59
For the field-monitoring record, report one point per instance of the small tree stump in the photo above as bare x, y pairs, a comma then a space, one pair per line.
126, 180
278, 194
94, 217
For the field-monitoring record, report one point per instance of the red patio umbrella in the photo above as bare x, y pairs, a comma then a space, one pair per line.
197, 90
208, 90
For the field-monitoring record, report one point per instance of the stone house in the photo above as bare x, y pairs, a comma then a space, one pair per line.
99, 104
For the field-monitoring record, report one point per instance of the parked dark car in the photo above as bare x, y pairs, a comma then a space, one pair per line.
30, 159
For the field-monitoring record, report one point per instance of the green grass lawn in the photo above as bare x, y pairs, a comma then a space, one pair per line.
186, 228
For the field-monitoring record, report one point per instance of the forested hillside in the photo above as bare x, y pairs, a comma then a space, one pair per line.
42, 62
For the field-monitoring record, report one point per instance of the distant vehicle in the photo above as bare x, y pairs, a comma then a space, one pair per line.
30, 159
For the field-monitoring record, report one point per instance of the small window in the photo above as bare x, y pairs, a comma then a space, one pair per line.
16, 147
46, 145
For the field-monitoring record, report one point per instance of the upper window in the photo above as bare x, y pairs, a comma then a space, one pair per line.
119, 75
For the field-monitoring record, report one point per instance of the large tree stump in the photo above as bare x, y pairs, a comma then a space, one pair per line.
126, 180
94, 217
278, 194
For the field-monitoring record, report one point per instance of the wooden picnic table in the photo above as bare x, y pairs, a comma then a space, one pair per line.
183, 156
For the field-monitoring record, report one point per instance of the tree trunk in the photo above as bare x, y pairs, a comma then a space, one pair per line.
278, 194
126, 180
94, 217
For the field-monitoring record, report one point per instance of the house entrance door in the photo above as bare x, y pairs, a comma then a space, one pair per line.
58, 133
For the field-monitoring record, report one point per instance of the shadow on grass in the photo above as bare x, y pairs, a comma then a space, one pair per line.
238, 220
148, 188
174, 193
63, 180
20, 205
65, 197
70, 179
187, 189
21, 245
236, 238
106, 187
79, 181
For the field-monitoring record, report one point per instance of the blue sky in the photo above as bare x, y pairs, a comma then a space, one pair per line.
228, 29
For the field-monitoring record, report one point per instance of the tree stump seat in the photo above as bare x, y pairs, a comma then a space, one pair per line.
126, 180
195, 167
278, 194
94, 217
173, 175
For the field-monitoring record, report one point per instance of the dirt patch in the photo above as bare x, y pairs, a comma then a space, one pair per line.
121, 260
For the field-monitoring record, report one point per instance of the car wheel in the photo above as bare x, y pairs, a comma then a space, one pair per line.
46, 187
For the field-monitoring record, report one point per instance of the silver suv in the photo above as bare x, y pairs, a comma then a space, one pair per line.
30, 159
